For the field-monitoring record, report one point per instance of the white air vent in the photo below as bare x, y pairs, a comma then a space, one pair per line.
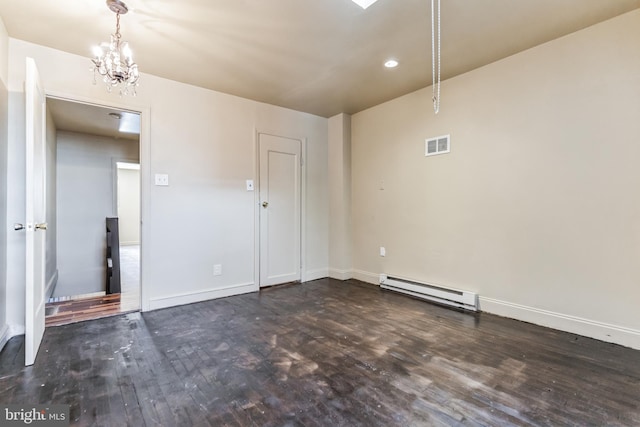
437, 145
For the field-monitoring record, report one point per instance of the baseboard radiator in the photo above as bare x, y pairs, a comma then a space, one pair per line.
446, 296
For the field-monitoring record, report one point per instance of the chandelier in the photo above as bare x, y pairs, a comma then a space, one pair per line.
113, 60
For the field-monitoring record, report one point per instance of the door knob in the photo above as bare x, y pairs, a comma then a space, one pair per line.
18, 226
41, 226
265, 204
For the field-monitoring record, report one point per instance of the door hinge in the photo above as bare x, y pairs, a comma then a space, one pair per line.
301, 161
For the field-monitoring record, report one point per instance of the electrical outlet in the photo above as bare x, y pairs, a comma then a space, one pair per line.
383, 251
217, 270
162, 179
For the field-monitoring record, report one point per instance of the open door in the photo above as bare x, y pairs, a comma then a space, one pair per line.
35, 211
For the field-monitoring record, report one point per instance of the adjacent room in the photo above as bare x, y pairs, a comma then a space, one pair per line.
336, 213
96, 187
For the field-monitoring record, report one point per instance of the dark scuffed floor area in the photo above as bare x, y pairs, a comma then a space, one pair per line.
324, 353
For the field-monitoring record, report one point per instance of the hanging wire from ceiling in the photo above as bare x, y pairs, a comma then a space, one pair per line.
435, 67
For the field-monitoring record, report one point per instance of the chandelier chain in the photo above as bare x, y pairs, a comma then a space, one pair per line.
118, 35
435, 68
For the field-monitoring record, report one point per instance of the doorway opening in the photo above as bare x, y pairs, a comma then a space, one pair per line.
93, 201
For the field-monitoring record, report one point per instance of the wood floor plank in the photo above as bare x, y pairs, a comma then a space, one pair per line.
324, 353
89, 308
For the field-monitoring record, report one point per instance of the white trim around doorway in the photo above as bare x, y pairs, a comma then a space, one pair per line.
145, 176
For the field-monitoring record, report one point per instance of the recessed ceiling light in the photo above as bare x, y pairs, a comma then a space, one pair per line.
391, 63
130, 123
364, 3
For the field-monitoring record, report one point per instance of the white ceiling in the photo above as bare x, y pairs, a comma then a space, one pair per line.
94, 120
318, 56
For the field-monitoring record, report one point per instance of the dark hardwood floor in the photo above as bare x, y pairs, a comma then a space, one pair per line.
324, 353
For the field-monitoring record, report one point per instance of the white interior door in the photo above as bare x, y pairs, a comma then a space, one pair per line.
280, 165
35, 211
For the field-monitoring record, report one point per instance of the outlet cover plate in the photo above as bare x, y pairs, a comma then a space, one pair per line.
162, 179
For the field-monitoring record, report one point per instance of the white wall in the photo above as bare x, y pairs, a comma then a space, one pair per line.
537, 206
340, 197
129, 206
85, 185
51, 268
205, 141
4, 226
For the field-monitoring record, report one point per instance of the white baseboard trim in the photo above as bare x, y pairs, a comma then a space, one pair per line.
365, 276
198, 296
4, 336
338, 274
315, 274
589, 328
51, 285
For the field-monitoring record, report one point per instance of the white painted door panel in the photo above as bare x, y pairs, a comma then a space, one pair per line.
35, 211
280, 160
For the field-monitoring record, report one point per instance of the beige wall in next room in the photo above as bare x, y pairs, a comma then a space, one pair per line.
129, 206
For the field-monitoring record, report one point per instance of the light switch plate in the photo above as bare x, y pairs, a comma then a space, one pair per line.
383, 251
162, 179
249, 185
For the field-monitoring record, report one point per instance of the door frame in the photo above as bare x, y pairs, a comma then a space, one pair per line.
256, 200
145, 175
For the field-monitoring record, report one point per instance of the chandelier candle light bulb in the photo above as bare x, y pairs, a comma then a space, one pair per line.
114, 60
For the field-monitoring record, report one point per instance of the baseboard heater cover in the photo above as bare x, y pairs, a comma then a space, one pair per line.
447, 296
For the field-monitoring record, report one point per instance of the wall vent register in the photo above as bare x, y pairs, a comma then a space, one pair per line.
437, 145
